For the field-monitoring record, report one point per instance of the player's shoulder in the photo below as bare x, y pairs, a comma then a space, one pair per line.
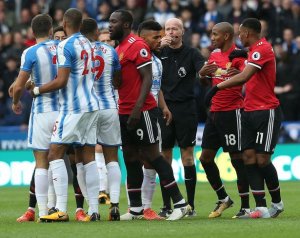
262, 44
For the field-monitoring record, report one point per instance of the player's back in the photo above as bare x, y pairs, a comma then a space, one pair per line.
106, 63
40, 61
79, 95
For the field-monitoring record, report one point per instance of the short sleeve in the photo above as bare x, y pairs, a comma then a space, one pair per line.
259, 56
27, 60
64, 57
140, 54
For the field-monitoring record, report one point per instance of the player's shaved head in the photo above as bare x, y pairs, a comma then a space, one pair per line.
225, 27
73, 18
174, 21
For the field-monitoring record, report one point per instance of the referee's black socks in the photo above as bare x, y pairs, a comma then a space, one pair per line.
190, 179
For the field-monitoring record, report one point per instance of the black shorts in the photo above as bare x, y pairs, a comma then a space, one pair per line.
183, 127
223, 129
261, 130
146, 131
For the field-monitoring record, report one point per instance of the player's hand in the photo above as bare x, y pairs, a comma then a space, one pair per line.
209, 95
167, 115
134, 118
238, 53
17, 108
29, 85
208, 69
166, 41
11, 90
232, 71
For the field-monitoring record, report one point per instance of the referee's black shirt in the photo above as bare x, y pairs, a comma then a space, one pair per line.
180, 67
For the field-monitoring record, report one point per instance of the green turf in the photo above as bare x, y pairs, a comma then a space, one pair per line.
13, 202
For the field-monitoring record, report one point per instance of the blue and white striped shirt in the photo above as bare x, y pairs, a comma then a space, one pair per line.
105, 66
39, 61
156, 76
79, 95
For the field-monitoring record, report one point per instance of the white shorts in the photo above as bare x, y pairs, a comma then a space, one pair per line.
108, 128
76, 129
40, 130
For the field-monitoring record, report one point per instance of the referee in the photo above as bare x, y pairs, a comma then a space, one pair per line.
181, 64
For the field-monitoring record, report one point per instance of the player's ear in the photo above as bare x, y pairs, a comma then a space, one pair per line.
126, 25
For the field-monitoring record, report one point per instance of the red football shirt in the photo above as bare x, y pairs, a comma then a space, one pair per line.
229, 98
260, 87
133, 53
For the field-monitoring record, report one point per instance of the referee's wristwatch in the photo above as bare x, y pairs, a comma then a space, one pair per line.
36, 91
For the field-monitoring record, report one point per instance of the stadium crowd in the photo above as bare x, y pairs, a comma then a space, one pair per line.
280, 21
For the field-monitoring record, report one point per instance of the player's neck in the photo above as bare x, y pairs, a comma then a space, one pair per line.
226, 47
71, 31
39, 40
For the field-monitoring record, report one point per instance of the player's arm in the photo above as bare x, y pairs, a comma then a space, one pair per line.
236, 80
117, 79
18, 87
146, 75
163, 106
59, 82
240, 78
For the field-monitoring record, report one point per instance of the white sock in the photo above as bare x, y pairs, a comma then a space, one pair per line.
148, 187
60, 181
114, 181
41, 190
81, 180
92, 185
99, 157
51, 191
182, 201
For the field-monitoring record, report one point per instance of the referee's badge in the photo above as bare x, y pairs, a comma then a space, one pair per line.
143, 53
181, 72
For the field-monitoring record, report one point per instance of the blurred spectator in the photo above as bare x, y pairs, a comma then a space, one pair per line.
25, 21
18, 46
35, 9
175, 7
212, 16
239, 12
58, 17
104, 11
195, 40
137, 12
224, 7
162, 13
197, 8
3, 27
89, 6
295, 24
30, 40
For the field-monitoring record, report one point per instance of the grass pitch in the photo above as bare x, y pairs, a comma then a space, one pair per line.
13, 202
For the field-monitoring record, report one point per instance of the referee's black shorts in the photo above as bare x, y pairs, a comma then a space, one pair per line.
183, 127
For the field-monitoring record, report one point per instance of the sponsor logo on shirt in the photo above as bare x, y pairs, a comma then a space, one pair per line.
255, 56
143, 53
181, 72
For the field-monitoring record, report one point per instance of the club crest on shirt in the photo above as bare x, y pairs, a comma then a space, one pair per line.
181, 72
255, 55
143, 53
121, 55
